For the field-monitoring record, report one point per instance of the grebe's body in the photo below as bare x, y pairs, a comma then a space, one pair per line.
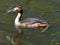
27, 23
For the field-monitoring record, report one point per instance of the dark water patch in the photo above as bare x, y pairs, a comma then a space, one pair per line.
27, 43
56, 15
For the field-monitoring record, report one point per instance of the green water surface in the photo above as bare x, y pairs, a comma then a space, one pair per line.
48, 10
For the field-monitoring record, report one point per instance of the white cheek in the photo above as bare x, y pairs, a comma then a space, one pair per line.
15, 8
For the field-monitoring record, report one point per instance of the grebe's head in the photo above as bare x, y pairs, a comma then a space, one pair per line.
16, 9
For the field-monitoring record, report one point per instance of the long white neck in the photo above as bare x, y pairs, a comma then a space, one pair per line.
17, 22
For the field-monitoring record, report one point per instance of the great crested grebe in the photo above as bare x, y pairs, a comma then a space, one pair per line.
29, 22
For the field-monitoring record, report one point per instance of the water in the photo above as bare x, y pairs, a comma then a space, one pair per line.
48, 10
